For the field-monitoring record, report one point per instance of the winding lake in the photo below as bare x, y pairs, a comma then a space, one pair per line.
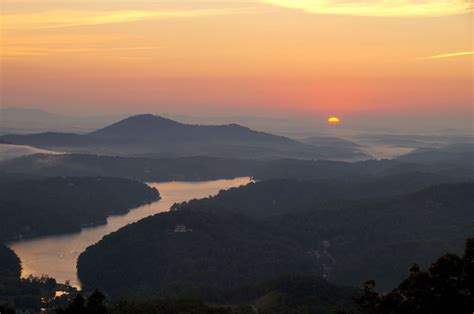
56, 256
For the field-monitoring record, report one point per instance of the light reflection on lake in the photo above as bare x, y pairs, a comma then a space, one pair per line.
56, 256
386, 151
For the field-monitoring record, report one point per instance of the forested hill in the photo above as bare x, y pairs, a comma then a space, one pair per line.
157, 136
275, 197
143, 169
370, 237
451, 154
209, 168
381, 239
37, 207
349, 242
189, 254
460, 166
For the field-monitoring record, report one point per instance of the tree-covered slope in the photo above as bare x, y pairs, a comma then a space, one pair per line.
143, 169
57, 205
275, 197
236, 240
221, 251
381, 239
361, 229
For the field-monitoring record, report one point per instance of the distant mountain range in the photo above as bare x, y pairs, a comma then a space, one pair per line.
451, 154
149, 135
29, 120
8, 151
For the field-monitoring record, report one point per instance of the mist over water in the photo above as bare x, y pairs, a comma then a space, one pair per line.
56, 256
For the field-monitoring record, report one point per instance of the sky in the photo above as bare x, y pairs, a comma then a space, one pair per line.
291, 58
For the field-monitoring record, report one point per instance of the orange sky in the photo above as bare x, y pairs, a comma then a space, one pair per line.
279, 57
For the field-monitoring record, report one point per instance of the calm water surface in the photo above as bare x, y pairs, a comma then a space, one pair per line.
56, 256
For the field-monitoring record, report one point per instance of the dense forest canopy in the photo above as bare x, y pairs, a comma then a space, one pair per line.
381, 239
274, 197
189, 254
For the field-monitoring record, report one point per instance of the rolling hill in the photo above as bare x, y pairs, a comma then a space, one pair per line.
149, 135
189, 254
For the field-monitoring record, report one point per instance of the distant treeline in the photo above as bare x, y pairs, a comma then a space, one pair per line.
143, 169
457, 165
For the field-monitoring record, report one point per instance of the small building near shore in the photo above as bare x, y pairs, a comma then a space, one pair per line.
182, 228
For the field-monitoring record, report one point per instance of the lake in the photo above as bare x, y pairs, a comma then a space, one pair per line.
56, 256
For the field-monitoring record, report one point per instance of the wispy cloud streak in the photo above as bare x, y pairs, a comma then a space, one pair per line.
378, 7
62, 19
453, 54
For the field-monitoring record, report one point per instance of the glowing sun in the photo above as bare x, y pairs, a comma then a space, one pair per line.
334, 120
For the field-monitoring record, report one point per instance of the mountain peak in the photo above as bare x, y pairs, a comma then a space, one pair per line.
137, 126
148, 118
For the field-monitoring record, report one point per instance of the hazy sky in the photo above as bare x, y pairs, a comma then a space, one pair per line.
278, 57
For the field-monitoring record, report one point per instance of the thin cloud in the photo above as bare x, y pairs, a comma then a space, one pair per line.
453, 54
378, 7
13, 51
62, 19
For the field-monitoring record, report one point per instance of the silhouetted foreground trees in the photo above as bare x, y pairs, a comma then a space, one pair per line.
93, 305
9, 263
96, 304
58, 205
30, 293
294, 294
303, 294
447, 287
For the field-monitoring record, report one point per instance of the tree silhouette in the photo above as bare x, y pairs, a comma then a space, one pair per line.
93, 305
447, 287
4, 309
